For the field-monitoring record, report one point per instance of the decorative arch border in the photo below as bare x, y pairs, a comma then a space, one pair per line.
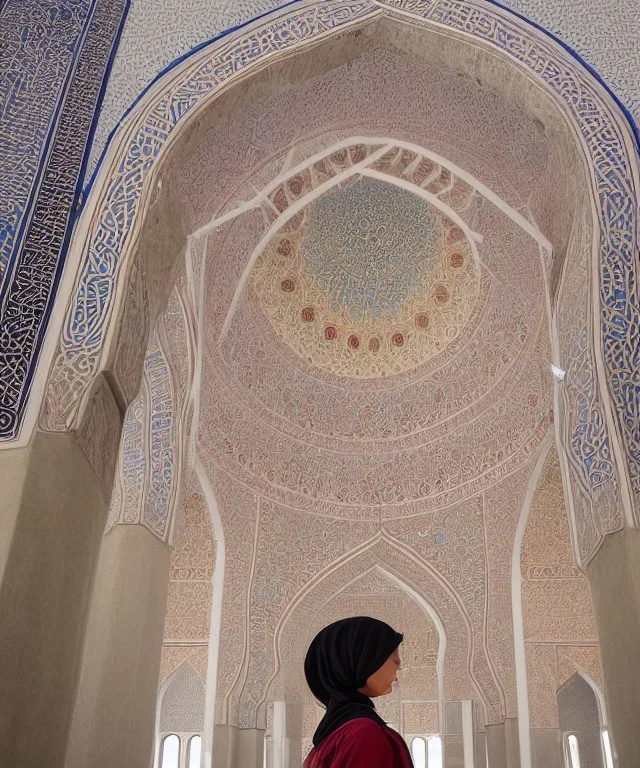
157, 737
157, 446
609, 143
597, 692
488, 690
517, 612
215, 625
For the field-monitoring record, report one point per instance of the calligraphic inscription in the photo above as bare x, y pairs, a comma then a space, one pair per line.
52, 109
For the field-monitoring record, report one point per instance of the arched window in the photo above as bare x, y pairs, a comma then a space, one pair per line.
170, 752
419, 752
195, 748
434, 752
573, 751
606, 748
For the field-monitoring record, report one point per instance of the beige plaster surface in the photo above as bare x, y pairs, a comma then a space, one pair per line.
512, 742
614, 576
115, 705
503, 748
453, 752
546, 748
14, 464
52, 515
237, 747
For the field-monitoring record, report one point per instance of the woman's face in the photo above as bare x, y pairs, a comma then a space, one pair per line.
381, 681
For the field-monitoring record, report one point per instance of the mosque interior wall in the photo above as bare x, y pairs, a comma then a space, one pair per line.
224, 434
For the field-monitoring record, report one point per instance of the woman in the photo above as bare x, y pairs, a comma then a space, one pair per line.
347, 664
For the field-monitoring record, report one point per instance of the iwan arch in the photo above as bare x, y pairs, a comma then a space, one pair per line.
299, 366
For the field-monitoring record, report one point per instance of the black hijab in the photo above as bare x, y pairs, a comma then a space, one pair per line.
340, 659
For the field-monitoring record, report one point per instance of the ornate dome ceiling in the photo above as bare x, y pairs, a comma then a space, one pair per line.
374, 302
367, 280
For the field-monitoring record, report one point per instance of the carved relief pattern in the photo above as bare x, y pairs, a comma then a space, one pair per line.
91, 307
188, 613
63, 52
297, 474
502, 507
237, 507
270, 607
453, 543
152, 461
147, 475
559, 624
133, 335
448, 13
172, 657
582, 658
596, 498
616, 193
183, 702
162, 476
31, 103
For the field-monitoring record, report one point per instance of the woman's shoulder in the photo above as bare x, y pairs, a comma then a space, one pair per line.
361, 743
352, 744
364, 724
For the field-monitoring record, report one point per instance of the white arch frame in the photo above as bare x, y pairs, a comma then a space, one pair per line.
519, 648
215, 626
157, 738
424, 605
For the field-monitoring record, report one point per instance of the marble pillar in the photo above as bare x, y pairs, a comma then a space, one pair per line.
53, 508
512, 742
496, 747
614, 577
115, 707
453, 749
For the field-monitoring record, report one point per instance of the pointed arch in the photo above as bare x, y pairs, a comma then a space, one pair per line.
416, 575
129, 185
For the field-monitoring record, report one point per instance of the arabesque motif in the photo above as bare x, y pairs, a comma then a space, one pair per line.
580, 95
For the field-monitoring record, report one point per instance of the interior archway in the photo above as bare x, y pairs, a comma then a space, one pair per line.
340, 273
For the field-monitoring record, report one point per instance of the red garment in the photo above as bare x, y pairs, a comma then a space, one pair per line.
360, 743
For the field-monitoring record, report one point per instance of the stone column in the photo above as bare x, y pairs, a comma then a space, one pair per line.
546, 748
614, 576
53, 507
294, 734
237, 747
503, 744
453, 748
496, 746
224, 746
114, 714
512, 742
250, 753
